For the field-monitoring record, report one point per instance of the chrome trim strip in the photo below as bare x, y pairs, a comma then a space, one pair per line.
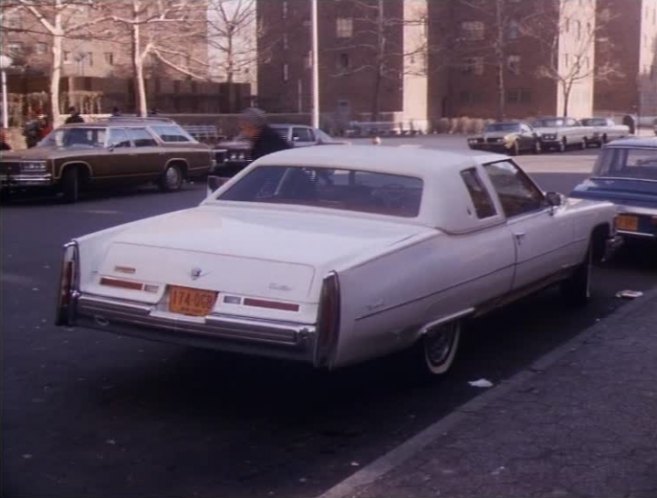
637, 234
445, 319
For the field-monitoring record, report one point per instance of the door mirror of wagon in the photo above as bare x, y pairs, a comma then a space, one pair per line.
214, 182
554, 199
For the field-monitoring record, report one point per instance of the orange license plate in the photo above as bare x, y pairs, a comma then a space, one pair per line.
627, 222
193, 302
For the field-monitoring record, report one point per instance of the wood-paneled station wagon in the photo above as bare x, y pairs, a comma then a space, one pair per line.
116, 151
332, 256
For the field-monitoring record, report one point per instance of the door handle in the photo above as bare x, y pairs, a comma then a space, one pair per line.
519, 236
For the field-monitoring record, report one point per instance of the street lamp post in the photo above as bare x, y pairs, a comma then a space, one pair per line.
5, 62
315, 64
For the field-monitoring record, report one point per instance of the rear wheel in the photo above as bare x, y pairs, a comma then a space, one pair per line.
71, 184
436, 350
172, 179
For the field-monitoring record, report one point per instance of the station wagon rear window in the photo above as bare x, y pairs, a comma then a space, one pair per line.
344, 189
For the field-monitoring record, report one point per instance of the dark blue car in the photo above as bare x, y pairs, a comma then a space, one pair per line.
626, 174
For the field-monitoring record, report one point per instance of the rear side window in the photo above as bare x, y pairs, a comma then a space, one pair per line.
483, 204
141, 138
171, 133
302, 135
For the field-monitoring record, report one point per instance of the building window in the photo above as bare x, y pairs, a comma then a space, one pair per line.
15, 49
344, 27
90, 59
41, 48
513, 30
468, 97
472, 30
513, 63
286, 72
473, 65
343, 61
109, 58
284, 9
285, 41
578, 27
566, 61
518, 96
308, 60
66, 57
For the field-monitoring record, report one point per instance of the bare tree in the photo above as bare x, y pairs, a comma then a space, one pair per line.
374, 35
163, 30
60, 20
232, 35
567, 41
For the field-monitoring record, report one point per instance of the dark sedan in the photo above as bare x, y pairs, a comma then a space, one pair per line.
626, 174
508, 138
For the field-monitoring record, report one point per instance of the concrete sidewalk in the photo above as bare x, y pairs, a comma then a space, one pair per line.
580, 422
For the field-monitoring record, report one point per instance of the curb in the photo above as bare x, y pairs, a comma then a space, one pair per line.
397, 456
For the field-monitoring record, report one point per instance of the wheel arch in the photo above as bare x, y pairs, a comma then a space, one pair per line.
599, 236
82, 166
178, 161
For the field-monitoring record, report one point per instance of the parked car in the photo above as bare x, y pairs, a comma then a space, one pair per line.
117, 151
507, 137
625, 173
234, 155
560, 133
604, 130
334, 256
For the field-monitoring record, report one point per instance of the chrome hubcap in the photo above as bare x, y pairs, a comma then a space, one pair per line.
439, 344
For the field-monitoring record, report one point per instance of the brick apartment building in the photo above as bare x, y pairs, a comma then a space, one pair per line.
97, 74
358, 80
524, 61
629, 39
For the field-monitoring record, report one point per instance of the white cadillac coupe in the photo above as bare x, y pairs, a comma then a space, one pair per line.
333, 257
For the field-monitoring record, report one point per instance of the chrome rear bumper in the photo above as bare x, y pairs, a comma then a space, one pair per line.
270, 338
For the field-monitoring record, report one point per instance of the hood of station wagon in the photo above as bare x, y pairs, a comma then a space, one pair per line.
268, 234
49, 152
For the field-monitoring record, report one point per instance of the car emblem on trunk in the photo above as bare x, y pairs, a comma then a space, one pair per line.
196, 273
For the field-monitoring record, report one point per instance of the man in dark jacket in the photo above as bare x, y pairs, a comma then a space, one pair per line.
74, 116
265, 140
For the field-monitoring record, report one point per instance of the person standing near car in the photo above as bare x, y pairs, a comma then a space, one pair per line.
74, 116
32, 131
264, 139
4, 145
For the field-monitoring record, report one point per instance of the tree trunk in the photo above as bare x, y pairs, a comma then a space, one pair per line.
56, 69
138, 71
380, 62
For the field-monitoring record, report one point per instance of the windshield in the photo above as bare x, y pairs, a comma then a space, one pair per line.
548, 123
594, 122
75, 137
502, 127
627, 162
350, 190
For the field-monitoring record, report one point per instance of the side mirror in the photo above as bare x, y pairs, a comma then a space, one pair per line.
554, 199
214, 182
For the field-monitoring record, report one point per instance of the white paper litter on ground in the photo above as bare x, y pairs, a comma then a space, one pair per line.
481, 383
629, 294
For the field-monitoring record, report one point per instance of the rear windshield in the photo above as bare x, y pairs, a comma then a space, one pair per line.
349, 190
594, 122
548, 123
627, 162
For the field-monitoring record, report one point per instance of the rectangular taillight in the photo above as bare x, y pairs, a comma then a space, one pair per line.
68, 285
328, 320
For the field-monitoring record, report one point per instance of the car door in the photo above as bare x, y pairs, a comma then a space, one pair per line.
543, 234
149, 157
118, 158
527, 137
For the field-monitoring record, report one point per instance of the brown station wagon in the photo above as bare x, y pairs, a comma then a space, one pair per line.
117, 151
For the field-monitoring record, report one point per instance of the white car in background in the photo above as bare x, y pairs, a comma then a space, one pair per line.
560, 133
332, 256
604, 130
